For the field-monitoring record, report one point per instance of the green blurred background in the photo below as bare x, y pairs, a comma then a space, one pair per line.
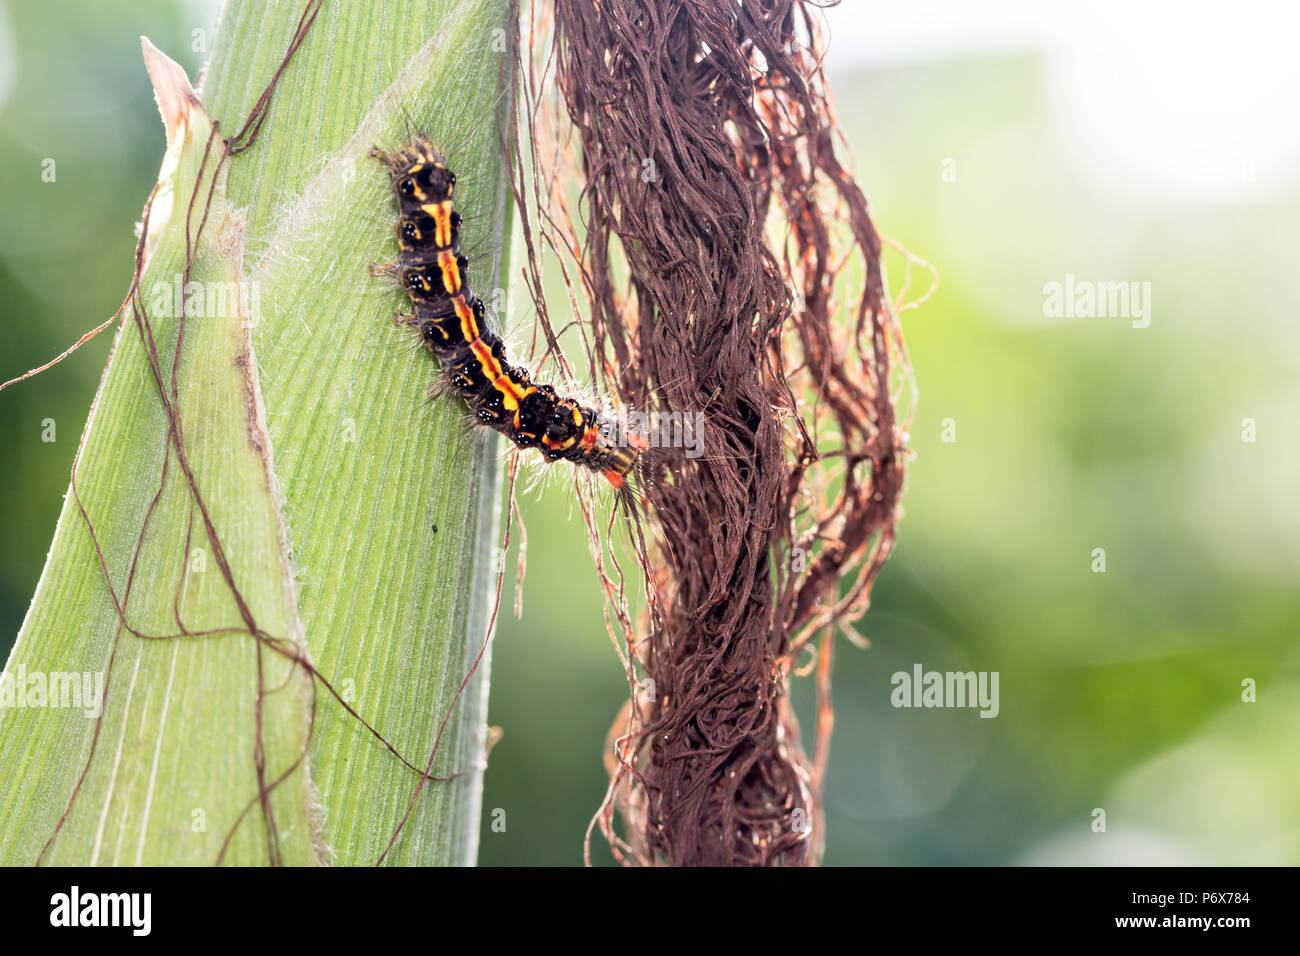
1010, 150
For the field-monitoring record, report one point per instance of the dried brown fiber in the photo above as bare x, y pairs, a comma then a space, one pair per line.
740, 278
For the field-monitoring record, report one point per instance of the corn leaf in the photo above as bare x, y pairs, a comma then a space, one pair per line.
357, 518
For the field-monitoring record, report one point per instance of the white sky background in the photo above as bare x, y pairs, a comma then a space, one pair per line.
1183, 101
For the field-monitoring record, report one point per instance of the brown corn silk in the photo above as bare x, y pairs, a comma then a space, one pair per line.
729, 266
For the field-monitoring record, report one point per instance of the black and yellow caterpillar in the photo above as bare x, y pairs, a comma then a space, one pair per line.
449, 317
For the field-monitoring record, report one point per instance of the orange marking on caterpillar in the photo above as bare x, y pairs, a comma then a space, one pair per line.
450, 271
468, 323
441, 215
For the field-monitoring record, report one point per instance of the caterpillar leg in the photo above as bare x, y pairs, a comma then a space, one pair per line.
404, 318
378, 269
379, 154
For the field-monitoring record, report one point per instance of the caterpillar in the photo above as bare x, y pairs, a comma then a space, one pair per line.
449, 317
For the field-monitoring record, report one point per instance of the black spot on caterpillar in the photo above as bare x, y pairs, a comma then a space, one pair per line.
449, 317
